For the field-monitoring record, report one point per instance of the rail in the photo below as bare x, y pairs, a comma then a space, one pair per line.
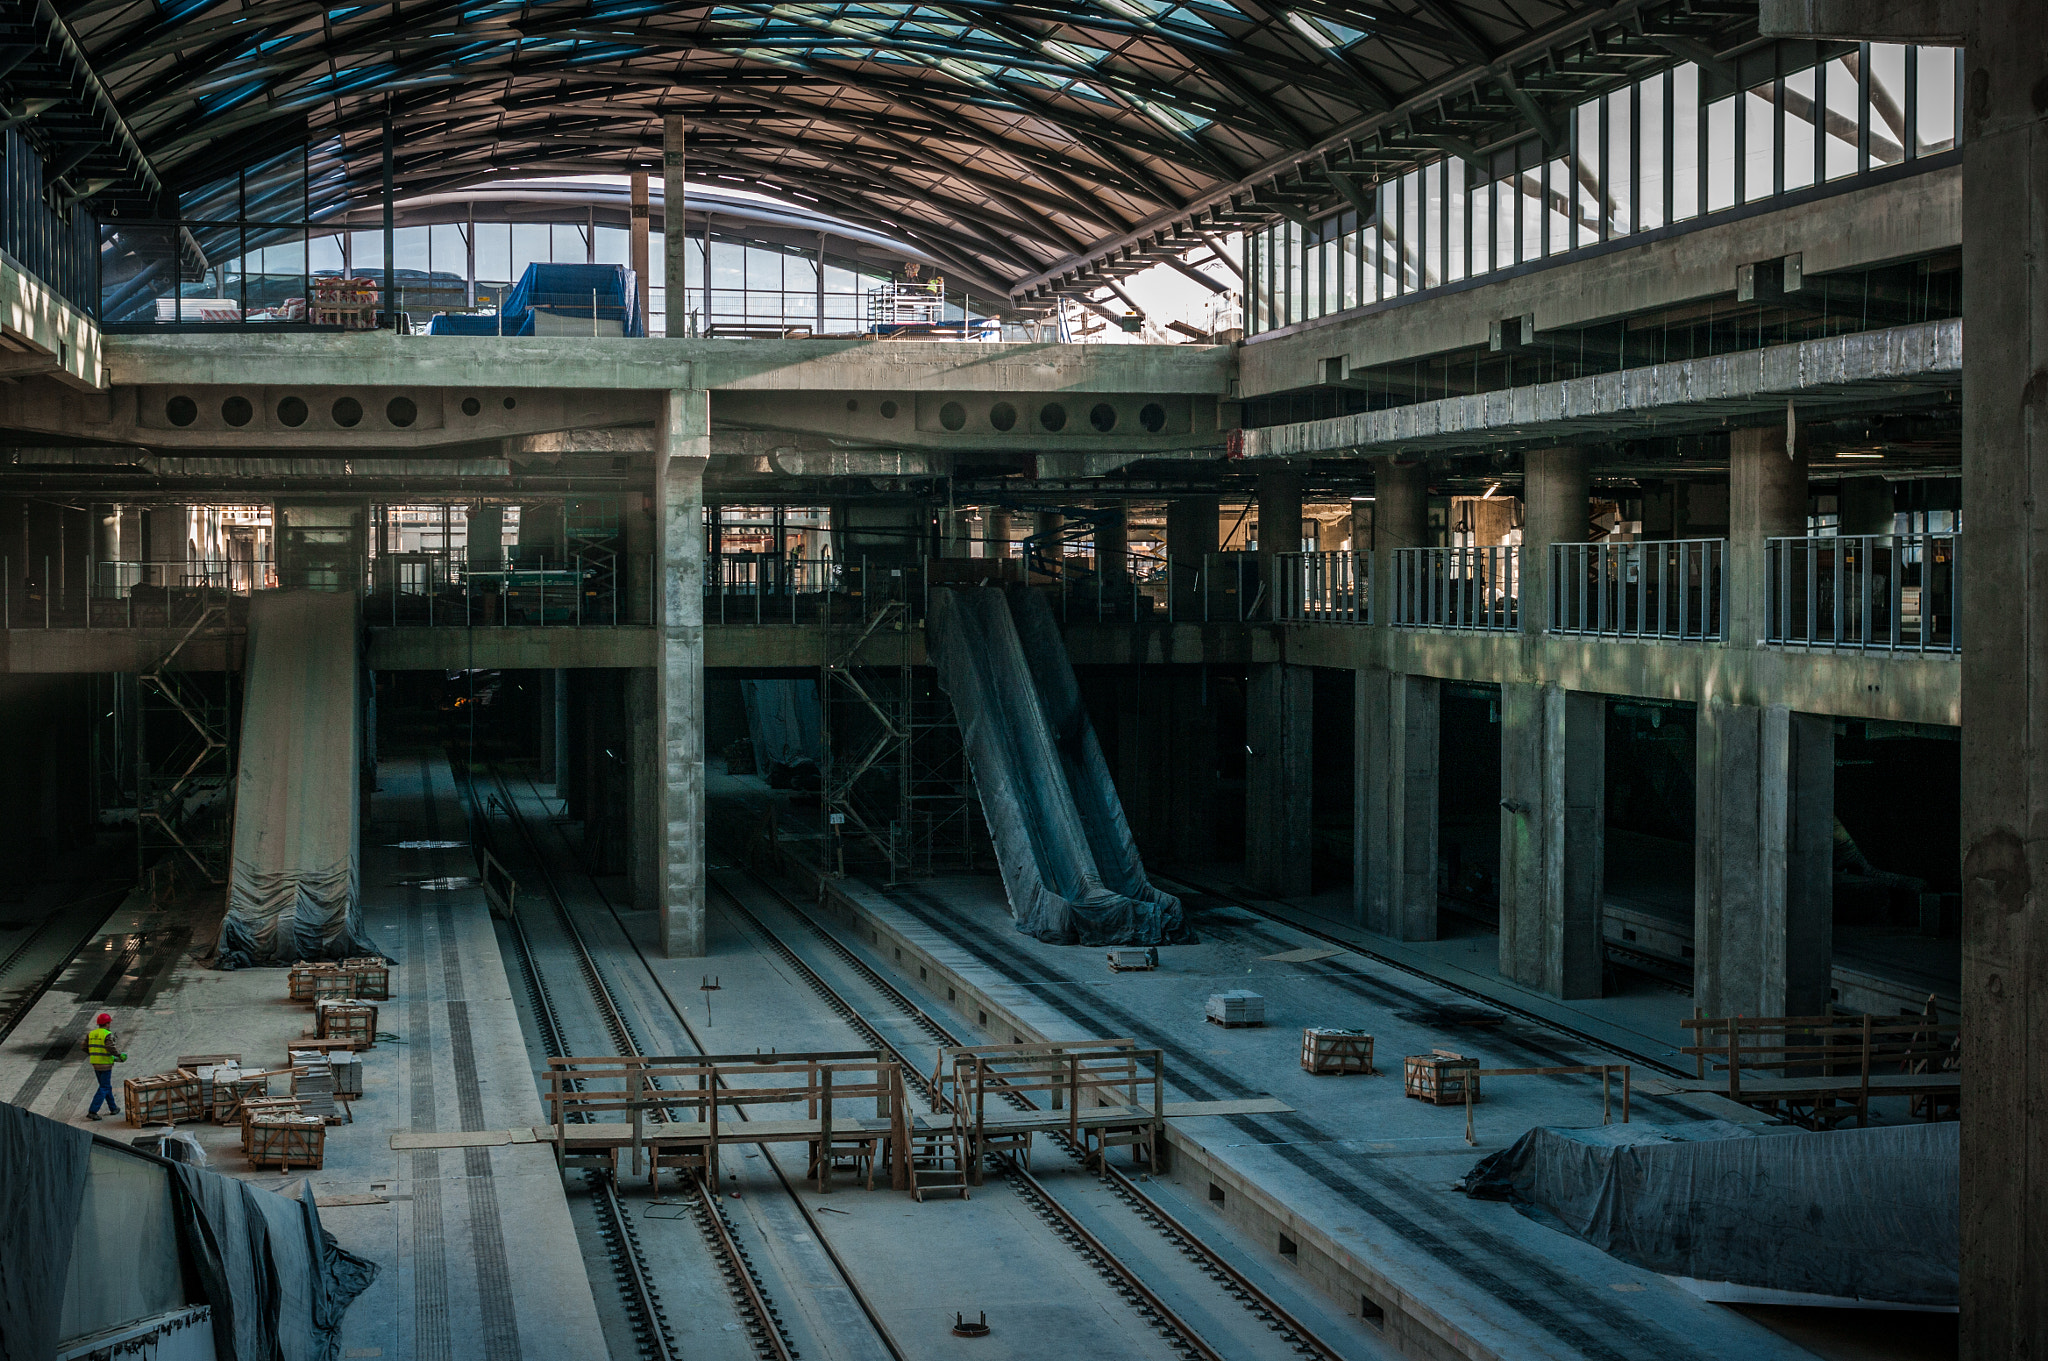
1323, 588
1864, 592
1473, 589
1668, 589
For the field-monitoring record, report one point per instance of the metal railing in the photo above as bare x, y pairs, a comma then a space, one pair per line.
762, 588
1459, 588
46, 593
1205, 588
1661, 588
538, 589
1323, 588
1875, 592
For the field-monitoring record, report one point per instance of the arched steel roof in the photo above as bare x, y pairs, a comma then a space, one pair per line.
1033, 146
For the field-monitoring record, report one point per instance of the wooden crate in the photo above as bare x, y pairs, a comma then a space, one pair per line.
305, 980
231, 1095
1439, 1077
256, 1107
169, 1098
1336, 1051
355, 1022
333, 986
288, 1141
372, 979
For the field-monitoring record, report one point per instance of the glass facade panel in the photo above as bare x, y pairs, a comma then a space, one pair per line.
1935, 100
1685, 143
1802, 130
1887, 112
1650, 178
1640, 158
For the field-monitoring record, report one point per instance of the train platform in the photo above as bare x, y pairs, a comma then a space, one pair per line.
475, 1249
1355, 1186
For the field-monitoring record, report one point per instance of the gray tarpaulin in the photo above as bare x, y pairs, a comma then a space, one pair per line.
1032, 793
1869, 1214
42, 1182
293, 890
782, 720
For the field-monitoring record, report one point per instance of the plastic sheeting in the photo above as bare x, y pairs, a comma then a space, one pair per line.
293, 890
278, 1283
42, 1183
571, 290
1863, 1214
782, 721
1069, 867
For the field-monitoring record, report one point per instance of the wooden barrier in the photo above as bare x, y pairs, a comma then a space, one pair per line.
1605, 1070
684, 1096
1827, 1068
1102, 1094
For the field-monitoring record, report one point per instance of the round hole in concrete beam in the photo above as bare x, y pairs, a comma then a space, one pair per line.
1002, 416
347, 412
181, 411
401, 411
953, 416
888, 411
471, 406
237, 411
292, 411
1152, 417
511, 402
1053, 416
1103, 417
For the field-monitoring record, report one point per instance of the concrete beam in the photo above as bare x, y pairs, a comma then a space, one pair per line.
1936, 23
50, 336
1887, 369
1553, 838
679, 671
1394, 804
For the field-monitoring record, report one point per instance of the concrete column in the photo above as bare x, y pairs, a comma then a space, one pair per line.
997, 534
1191, 533
1766, 499
1763, 868
1394, 804
1279, 728
679, 514
1279, 527
1113, 545
549, 686
956, 538
1864, 506
1400, 519
106, 548
541, 530
637, 233
487, 538
636, 523
1554, 510
558, 705
1553, 784
645, 832
672, 233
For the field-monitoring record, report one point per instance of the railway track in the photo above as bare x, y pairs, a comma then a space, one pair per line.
758, 1315
42, 955
1179, 1334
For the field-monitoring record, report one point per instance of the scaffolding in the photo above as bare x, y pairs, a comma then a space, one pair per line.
899, 798
184, 760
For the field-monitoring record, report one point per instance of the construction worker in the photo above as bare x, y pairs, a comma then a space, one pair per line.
100, 1051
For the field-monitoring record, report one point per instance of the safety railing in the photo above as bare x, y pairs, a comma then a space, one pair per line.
1459, 588
1869, 592
1323, 588
529, 589
47, 592
1200, 588
1663, 588
762, 588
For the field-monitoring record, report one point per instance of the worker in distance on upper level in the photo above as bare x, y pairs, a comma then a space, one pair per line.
101, 1053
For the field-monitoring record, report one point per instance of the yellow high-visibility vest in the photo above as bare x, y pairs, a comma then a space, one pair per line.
98, 1047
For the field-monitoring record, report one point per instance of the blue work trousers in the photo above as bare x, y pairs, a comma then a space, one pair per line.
105, 1093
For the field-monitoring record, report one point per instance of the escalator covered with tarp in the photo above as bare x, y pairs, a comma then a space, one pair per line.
293, 890
1069, 865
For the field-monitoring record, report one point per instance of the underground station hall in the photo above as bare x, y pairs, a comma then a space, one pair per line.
1160, 679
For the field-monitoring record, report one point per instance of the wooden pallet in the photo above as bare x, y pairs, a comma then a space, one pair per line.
255, 1108
288, 1141
1336, 1051
1440, 1077
169, 1098
1234, 1025
354, 1022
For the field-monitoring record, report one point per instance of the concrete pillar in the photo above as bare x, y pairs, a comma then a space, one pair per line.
106, 549
672, 232
541, 531
1553, 784
1279, 528
645, 831
1864, 506
1279, 729
548, 685
997, 535
558, 705
956, 533
1113, 545
1554, 510
643, 255
1766, 499
1400, 519
487, 538
685, 448
1763, 874
1191, 533
1394, 805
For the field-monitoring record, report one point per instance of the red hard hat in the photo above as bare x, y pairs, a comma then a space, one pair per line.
103, 1019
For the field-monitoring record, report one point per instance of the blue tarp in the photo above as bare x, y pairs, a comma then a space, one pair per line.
462, 324
569, 291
